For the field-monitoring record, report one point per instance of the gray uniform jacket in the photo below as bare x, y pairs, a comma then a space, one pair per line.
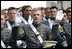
30, 37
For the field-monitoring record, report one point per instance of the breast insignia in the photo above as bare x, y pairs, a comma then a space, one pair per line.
21, 31
61, 29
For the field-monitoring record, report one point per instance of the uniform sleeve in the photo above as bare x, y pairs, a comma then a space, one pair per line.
54, 32
14, 36
21, 36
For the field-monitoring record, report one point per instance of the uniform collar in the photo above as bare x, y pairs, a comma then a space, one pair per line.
11, 23
46, 18
53, 18
37, 25
25, 18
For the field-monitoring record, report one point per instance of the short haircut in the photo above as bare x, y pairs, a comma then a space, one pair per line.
28, 6
67, 9
11, 8
47, 8
24, 7
54, 7
42, 8
36, 9
5, 9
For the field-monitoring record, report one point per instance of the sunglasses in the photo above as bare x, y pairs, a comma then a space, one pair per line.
68, 11
28, 10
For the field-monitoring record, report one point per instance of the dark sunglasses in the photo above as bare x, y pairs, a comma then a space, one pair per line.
68, 11
28, 10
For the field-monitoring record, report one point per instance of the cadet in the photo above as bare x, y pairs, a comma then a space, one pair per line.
69, 15
47, 16
58, 33
5, 12
13, 19
5, 33
50, 18
26, 17
35, 30
67, 27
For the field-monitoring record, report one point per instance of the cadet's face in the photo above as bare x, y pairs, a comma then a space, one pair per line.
2, 20
6, 14
47, 12
28, 11
43, 13
37, 17
69, 14
53, 12
12, 14
64, 18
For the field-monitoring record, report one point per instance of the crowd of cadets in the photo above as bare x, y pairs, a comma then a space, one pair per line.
15, 25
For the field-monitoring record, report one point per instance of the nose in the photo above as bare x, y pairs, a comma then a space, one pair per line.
53, 13
35, 16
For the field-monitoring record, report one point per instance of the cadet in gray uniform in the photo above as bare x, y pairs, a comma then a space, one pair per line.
62, 33
5, 33
29, 36
67, 27
26, 17
50, 18
58, 34
12, 21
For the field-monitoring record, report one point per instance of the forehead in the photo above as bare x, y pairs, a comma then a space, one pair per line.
54, 9
5, 11
37, 12
28, 8
69, 9
12, 10
47, 10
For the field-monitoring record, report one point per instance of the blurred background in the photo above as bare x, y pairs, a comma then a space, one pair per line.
60, 4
